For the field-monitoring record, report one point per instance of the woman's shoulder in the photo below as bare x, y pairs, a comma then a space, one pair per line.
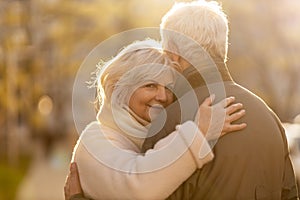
94, 125
95, 128
96, 134
97, 139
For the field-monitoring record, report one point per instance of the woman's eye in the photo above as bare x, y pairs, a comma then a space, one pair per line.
151, 85
170, 87
169, 90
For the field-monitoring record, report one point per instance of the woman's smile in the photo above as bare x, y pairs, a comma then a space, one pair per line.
149, 100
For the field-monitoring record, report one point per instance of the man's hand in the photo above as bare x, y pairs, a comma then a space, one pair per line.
215, 120
72, 185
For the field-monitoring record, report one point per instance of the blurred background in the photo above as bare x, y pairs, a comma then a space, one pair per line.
43, 43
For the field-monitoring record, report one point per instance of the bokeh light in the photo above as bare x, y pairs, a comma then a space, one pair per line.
45, 105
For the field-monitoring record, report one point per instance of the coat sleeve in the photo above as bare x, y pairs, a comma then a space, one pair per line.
289, 186
123, 173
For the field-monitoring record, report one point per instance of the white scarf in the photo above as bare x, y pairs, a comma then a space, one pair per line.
125, 121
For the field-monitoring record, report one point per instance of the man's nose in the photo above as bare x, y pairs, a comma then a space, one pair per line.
161, 94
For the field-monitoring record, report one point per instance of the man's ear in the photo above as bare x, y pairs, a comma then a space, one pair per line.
172, 51
174, 57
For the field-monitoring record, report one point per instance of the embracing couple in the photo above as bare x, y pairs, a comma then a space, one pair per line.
172, 122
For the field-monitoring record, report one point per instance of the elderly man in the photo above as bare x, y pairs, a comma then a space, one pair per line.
253, 164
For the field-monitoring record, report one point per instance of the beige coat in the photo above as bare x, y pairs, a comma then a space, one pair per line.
249, 164
111, 166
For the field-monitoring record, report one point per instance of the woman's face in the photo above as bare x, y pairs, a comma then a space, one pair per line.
147, 101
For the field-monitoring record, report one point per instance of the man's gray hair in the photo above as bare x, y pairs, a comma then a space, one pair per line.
202, 21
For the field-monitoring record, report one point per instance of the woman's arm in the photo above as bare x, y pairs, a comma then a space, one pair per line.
213, 120
137, 182
131, 175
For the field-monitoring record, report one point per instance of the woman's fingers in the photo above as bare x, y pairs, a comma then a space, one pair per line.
223, 104
235, 116
234, 127
233, 108
229, 127
226, 102
226, 111
231, 112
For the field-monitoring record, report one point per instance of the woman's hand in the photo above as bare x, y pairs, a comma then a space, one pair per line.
72, 185
215, 120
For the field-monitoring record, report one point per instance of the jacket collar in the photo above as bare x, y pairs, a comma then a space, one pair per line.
208, 74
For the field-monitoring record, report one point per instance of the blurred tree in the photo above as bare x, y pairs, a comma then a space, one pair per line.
43, 43
263, 51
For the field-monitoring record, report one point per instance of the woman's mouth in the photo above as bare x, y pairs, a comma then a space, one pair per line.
155, 110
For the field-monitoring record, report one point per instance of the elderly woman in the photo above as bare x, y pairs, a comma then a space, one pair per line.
134, 87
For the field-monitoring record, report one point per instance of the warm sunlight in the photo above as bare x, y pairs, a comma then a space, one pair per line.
44, 43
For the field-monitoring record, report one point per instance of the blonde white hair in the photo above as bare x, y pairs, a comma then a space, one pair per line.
203, 21
136, 64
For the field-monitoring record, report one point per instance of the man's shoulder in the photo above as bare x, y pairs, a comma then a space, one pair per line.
244, 93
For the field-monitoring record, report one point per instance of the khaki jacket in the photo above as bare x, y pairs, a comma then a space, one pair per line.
253, 163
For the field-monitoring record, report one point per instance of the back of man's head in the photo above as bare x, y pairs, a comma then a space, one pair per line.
204, 22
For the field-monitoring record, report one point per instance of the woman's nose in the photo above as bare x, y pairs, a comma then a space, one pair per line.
161, 94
